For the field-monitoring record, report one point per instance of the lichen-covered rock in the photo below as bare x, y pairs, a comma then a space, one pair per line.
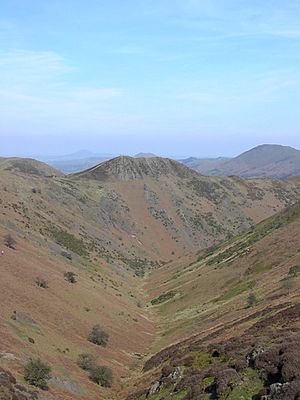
155, 388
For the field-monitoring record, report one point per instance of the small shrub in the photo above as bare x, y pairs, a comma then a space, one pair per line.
86, 361
102, 376
70, 276
251, 300
41, 283
98, 336
37, 373
294, 271
9, 241
288, 284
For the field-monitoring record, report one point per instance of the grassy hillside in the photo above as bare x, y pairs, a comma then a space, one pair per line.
108, 233
161, 213
231, 302
54, 322
28, 166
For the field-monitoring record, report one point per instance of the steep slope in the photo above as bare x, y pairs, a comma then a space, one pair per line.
168, 209
265, 161
108, 232
238, 306
54, 322
141, 211
28, 166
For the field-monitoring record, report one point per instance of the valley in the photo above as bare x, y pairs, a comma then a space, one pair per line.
160, 255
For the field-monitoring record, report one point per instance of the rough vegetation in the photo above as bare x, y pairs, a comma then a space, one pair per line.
98, 336
86, 361
37, 373
159, 255
101, 375
11, 390
264, 361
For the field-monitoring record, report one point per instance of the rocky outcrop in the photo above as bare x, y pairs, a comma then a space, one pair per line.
11, 390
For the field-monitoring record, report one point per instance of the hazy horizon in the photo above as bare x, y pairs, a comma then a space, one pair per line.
86, 153
194, 78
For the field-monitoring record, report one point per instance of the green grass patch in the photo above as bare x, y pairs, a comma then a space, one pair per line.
202, 359
163, 297
69, 241
236, 290
208, 381
259, 268
244, 387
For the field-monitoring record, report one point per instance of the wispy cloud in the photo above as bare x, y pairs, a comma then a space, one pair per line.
36, 84
267, 87
24, 67
223, 19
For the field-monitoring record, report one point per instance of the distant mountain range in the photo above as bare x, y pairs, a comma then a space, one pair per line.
81, 160
265, 161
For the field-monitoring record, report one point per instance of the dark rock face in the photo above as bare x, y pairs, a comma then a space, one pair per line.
283, 391
10, 390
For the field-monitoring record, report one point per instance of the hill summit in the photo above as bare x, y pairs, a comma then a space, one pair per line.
267, 160
28, 166
126, 168
264, 161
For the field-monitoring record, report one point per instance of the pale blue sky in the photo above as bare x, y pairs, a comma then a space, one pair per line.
192, 77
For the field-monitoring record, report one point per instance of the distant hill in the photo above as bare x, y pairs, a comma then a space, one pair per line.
126, 168
204, 165
69, 166
265, 161
145, 155
28, 166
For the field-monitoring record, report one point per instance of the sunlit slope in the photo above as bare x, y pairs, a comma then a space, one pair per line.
54, 323
211, 290
232, 314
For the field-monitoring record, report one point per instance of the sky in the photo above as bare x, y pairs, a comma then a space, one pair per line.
191, 78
